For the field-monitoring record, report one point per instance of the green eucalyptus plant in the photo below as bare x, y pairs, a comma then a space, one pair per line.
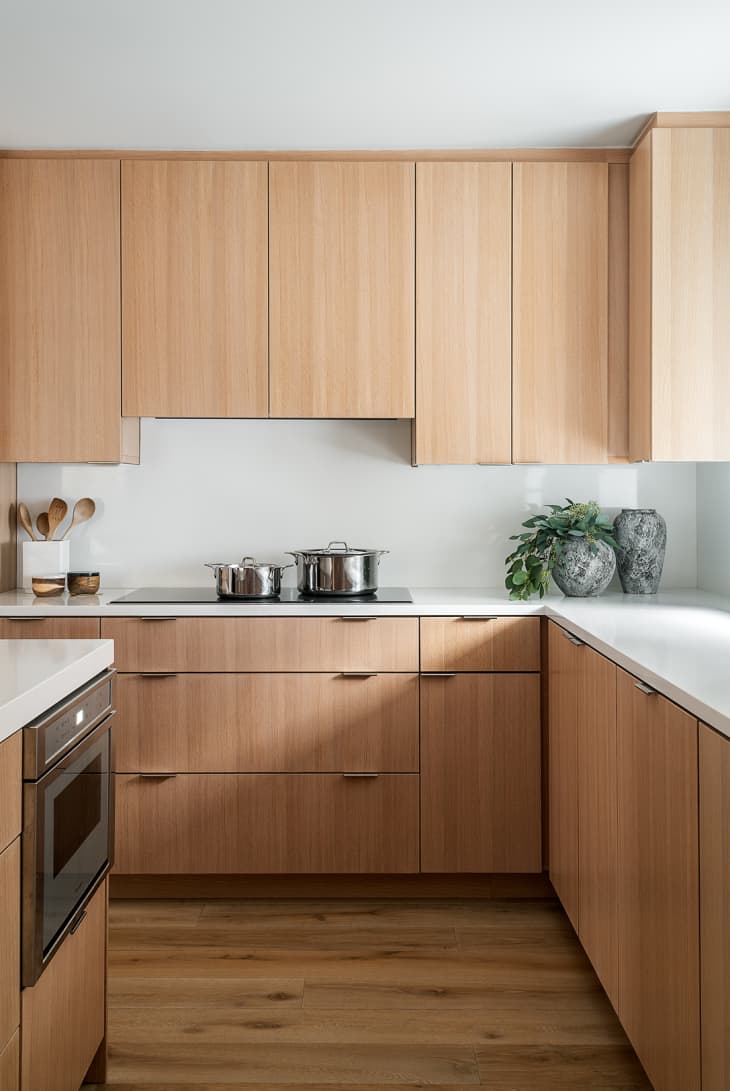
532, 561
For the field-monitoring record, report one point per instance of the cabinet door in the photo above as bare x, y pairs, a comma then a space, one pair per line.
10, 1064
478, 644
226, 823
63, 1014
560, 312
658, 896
342, 267
27, 627
194, 289
715, 908
598, 816
563, 666
9, 942
60, 313
463, 312
480, 773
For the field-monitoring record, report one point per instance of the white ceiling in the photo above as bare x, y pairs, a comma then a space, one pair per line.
353, 73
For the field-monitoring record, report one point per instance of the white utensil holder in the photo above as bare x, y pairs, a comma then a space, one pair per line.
45, 559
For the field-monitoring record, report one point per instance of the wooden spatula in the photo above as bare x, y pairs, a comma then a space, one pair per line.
57, 511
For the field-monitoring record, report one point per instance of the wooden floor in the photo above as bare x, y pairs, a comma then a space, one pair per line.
357, 995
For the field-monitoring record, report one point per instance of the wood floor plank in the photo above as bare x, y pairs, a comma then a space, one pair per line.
389, 997
167, 994
234, 938
580, 1068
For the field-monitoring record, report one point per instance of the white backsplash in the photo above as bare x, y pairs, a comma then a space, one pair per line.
713, 526
212, 490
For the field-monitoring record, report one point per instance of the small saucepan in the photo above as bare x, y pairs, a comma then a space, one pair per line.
251, 579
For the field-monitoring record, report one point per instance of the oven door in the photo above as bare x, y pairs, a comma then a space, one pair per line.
68, 835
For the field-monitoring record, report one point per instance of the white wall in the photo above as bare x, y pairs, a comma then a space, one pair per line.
216, 489
713, 526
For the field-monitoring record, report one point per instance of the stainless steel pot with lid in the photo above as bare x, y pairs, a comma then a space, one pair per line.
251, 579
337, 569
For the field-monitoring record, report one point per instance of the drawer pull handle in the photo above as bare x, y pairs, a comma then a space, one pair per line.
77, 923
358, 674
28, 619
643, 688
156, 674
573, 639
359, 617
438, 674
478, 617
152, 617
361, 776
157, 776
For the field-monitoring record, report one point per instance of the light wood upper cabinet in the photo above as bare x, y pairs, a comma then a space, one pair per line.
60, 349
342, 264
658, 885
560, 312
715, 908
680, 295
463, 312
195, 288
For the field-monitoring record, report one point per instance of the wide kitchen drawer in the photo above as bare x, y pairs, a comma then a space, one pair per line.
480, 644
264, 644
246, 823
266, 723
49, 628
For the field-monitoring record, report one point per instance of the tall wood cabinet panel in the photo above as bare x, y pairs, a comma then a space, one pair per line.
342, 266
618, 312
658, 885
680, 295
563, 667
10, 1064
560, 312
60, 345
8, 549
9, 942
463, 312
480, 773
194, 288
11, 788
715, 908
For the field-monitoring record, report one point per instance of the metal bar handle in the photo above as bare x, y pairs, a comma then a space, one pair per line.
156, 674
20, 618
573, 639
358, 674
77, 923
157, 776
478, 617
438, 674
359, 617
643, 688
161, 617
362, 776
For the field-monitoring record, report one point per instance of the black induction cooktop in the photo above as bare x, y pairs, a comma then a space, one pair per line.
170, 596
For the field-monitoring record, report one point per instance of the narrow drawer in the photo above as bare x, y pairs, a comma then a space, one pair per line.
49, 628
480, 644
264, 644
248, 823
266, 723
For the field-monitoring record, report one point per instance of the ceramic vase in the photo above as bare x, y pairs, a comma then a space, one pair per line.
581, 571
641, 534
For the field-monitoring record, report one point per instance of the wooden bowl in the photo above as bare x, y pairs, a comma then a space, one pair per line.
83, 583
43, 586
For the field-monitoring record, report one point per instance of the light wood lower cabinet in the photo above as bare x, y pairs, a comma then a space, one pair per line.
266, 823
564, 664
264, 644
658, 895
49, 628
11, 788
480, 644
480, 773
63, 1014
715, 908
299, 723
9, 942
10, 1064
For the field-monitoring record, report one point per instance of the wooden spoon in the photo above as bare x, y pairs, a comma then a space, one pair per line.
25, 520
57, 511
42, 524
83, 510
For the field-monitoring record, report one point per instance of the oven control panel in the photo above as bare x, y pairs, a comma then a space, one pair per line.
47, 739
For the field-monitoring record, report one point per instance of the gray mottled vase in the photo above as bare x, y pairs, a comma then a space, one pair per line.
641, 534
579, 572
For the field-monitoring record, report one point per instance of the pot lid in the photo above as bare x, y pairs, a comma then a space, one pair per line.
340, 549
246, 562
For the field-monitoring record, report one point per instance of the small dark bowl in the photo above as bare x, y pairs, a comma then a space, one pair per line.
83, 583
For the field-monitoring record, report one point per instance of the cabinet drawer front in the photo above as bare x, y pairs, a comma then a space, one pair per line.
480, 644
264, 644
227, 823
49, 628
266, 723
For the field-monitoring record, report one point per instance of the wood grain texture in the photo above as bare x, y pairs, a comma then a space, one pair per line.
275, 723
715, 908
10, 1064
463, 313
11, 789
341, 274
618, 312
63, 1014
195, 289
60, 311
690, 294
475, 644
479, 155
560, 313
303, 823
563, 667
640, 302
49, 628
264, 644
598, 817
8, 547
481, 773
9, 942
658, 896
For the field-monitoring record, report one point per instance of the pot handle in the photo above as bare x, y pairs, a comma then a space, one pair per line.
215, 564
336, 543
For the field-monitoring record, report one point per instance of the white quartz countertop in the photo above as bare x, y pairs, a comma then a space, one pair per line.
37, 674
678, 642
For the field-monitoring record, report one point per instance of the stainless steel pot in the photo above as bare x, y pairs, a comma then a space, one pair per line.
337, 570
250, 579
